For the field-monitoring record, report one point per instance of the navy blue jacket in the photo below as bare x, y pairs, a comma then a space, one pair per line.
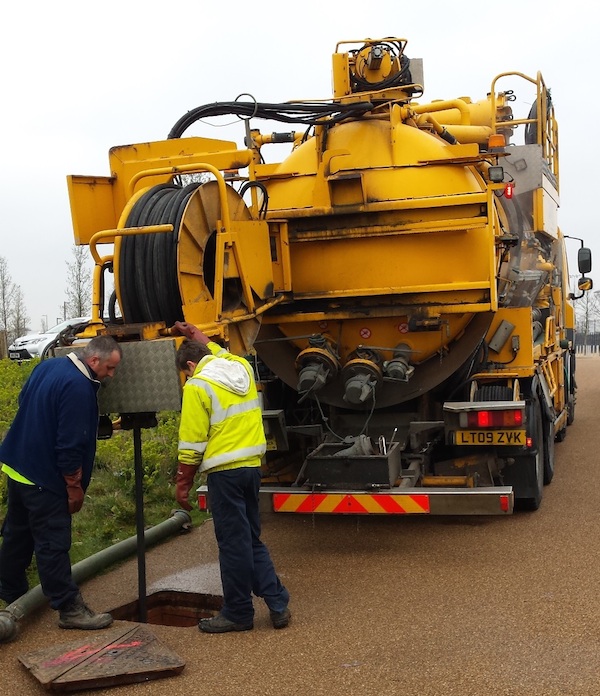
54, 431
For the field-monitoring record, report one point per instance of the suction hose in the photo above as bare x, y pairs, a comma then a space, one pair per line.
87, 568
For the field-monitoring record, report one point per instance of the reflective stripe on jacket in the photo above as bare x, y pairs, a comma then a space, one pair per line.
221, 417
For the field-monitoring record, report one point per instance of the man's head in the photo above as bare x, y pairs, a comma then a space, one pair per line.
189, 354
102, 354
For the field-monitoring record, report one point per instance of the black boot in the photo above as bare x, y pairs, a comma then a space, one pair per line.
280, 619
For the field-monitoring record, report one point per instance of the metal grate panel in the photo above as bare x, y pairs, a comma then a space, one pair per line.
147, 380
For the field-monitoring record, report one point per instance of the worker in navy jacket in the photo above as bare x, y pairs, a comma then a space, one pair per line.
48, 456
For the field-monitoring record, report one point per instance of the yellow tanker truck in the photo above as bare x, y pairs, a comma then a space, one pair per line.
399, 280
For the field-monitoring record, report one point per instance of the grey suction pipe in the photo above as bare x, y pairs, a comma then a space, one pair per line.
87, 568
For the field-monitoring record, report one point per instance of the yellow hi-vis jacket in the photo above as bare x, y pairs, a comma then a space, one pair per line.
221, 418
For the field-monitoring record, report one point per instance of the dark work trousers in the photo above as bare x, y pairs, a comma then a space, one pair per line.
245, 562
37, 521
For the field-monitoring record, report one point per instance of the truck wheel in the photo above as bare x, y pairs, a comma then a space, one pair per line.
526, 475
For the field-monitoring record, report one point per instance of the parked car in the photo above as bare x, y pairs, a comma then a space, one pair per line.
34, 345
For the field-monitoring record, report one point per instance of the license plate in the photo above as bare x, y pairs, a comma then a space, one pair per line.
14, 356
491, 437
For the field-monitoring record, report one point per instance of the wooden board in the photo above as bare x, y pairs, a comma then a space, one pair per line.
124, 655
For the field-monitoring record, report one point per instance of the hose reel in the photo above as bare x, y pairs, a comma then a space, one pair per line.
170, 277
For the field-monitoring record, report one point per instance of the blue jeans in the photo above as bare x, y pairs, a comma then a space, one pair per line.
245, 562
37, 521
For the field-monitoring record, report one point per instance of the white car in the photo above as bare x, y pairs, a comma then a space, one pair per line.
34, 345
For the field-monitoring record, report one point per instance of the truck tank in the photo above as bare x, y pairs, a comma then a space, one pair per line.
399, 278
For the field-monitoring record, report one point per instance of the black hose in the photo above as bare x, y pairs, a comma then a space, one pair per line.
112, 308
147, 214
148, 277
308, 113
265, 201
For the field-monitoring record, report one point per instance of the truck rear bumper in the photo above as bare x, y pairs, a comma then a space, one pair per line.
407, 501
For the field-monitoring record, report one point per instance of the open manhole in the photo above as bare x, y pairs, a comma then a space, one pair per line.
172, 608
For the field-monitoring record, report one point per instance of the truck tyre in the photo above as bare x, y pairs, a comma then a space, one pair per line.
493, 393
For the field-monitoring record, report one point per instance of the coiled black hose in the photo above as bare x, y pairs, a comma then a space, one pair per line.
148, 279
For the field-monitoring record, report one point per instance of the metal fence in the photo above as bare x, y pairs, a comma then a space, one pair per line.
588, 344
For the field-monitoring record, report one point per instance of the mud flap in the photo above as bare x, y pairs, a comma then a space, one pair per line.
526, 475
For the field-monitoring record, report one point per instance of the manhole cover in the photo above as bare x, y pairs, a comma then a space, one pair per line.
125, 655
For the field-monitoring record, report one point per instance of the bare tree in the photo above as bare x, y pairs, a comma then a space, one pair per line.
18, 315
587, 315
6, 294
79, 284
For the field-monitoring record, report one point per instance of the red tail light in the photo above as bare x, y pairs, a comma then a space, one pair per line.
508, 418
484, 419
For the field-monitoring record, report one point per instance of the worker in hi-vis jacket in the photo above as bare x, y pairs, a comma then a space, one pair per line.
222, 434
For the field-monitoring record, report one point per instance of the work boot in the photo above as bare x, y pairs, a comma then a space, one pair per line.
77, 614
280, 619
219, 624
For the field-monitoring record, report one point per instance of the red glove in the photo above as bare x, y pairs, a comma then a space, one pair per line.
182, 328
183, 484
74, 491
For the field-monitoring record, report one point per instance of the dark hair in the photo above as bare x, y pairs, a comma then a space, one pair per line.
102, 347
190, 350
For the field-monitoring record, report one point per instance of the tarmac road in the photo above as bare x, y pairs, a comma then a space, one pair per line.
415, 606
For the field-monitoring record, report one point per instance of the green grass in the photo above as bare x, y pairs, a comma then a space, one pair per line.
109, 511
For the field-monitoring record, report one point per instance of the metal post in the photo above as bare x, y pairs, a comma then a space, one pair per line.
139, 521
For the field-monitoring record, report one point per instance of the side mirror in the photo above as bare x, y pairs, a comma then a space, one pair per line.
584, 260
584, 284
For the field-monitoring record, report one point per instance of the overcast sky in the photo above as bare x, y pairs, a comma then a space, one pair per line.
79, 78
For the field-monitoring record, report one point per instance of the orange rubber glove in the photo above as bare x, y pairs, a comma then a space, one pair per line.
74, 490
183, 483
